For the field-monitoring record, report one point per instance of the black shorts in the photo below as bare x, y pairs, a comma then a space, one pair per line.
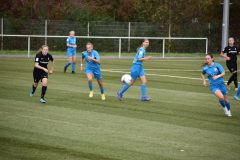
232, 66
39, 75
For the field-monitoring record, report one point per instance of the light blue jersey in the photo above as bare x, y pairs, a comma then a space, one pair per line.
71, 41
140, 54
90, 64
214, 70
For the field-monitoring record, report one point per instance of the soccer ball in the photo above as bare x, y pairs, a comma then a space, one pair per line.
126, 78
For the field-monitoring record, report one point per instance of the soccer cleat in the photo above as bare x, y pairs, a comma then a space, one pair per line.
119, 96
42, 100
236, 89
103, 97
31, 94
236, 98
229, 114
145, 99
225, 111
73, 72
91, 94
65, 69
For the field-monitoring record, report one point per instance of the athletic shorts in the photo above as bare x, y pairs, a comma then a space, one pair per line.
222, 87
137, 71
232, 66
39, 75
71, 52
95, 71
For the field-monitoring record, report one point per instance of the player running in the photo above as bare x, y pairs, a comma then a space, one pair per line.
215, 73
41, 71
137, 71
92, 59
71, 51
230, 54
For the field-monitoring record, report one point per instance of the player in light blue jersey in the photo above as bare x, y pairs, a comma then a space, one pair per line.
137, 71
92, 59
71, 51
215, 73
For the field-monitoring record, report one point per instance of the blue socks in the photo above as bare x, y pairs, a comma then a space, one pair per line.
124, 88
73, 66
222, 102
143, 90
238, 92
101, 90
67, 64
90, 86
228, 105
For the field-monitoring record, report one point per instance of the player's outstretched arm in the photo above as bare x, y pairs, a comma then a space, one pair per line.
52, 67
204, 80
145, 58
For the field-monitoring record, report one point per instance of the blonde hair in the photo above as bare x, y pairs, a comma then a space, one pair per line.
43, 46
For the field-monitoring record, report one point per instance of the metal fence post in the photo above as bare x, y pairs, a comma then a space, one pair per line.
29, 45
120, 48
45, 32
129, 34
206, 45
163, 49
88, 30
2, 33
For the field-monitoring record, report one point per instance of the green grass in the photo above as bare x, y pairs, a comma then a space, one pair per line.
183, 121
63, 53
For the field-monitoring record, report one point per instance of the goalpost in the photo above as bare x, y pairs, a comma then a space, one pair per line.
119, 39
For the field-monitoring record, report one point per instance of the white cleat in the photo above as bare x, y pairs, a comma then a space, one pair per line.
225, 111
229, 114
42, 100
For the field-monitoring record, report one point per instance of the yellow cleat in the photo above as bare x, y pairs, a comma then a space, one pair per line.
91, 94
103, 97
236, 89
228, 87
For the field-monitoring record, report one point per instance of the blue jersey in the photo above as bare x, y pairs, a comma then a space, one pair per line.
71, 41
140, 54
214, 70
91, 64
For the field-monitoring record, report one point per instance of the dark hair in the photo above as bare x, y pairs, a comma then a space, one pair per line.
209, 54
145, 39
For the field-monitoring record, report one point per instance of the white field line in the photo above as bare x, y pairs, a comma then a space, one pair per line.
170, 76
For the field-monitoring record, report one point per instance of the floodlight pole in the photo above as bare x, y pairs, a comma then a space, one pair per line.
225, 23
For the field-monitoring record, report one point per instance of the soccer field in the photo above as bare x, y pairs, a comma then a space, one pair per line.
183, 120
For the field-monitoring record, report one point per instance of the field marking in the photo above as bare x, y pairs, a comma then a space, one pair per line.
171, 76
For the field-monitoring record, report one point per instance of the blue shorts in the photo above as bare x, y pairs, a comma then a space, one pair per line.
71, 52
222, 87
137, 71
96, 72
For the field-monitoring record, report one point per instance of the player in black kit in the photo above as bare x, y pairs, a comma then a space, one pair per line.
230, 54
40, 71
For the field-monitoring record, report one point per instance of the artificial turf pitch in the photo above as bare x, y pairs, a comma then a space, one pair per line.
183, 120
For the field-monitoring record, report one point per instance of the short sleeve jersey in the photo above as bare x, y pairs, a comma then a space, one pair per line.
231, 52
71, 41
211, 71
43, 60
140, 54
90, 64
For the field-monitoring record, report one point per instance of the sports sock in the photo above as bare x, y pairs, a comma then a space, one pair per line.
124, 88
238, 92
44, 89
102, 90
73, 66
228, 105
90, 85
143, 90
33, 89
67, 64
222, 102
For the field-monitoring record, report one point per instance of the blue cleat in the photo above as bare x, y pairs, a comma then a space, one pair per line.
145, 99
236, 98
42, 100
31, 94
119, 96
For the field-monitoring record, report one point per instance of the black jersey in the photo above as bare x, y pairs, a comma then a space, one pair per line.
231, 52
42, 60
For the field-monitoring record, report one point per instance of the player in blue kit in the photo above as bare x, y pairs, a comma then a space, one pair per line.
71, 51
215, 73
92, 59
137, 71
